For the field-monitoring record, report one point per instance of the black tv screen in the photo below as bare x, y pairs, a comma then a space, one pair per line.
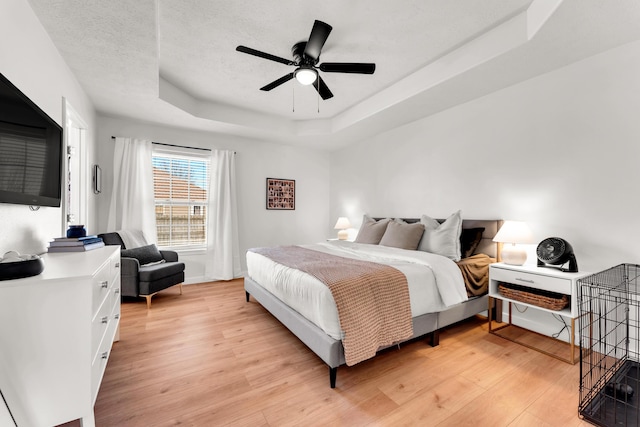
30, 151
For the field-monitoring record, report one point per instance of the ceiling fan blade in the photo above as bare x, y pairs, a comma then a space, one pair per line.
264, 55
278, 82
322, 88
348, 67
317, 38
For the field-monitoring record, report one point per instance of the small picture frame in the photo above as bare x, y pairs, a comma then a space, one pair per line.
281, 194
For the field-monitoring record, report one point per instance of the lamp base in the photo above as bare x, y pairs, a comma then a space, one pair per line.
343, 235
513, 255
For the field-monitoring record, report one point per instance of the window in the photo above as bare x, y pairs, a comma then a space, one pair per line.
180, 181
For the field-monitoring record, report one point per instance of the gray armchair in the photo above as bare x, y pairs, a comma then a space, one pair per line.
145, 271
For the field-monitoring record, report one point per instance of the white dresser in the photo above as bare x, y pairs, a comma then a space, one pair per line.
56, 333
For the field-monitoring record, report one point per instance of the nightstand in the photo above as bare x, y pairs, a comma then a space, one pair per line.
536, 280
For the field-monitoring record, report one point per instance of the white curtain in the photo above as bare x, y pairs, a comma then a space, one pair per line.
132, 199
223, 247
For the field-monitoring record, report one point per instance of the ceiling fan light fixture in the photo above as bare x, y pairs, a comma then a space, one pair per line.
306, 76
306, 56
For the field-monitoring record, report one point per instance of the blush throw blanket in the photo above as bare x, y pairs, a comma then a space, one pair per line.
372, 299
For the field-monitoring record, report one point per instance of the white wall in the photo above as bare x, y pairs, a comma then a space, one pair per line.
561, 152
31, 62
255, 161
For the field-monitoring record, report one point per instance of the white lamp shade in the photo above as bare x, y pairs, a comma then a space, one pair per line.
342, 224
514, 232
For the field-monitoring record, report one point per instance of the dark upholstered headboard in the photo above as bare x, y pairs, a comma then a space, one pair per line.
491, 227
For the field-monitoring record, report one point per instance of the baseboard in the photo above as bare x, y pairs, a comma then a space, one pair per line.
201, 279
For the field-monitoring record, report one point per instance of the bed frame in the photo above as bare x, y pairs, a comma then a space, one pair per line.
330, 350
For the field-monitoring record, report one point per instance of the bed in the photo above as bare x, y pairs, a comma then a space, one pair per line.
287, 292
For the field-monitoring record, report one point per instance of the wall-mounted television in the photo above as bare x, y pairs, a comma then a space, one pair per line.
31, 151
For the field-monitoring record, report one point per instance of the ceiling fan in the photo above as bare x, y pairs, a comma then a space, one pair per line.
306, 55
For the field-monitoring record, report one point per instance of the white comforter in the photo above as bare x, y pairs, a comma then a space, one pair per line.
435, 282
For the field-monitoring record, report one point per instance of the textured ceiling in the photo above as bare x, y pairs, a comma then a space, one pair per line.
197, 46
175, 63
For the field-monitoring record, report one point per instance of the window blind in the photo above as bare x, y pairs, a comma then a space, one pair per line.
181, 181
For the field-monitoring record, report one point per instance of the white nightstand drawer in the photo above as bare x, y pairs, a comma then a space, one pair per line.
537, 281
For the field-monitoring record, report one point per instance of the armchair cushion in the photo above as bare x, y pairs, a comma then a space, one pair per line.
145, 254
150, 273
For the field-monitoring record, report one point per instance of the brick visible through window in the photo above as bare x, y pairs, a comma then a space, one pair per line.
181, 200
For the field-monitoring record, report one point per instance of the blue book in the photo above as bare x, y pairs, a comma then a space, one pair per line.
76, 241
81, 248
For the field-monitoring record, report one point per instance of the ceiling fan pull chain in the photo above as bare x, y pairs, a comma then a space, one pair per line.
293, 98
318, 97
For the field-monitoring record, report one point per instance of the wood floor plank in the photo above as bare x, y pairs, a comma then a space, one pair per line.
209, 358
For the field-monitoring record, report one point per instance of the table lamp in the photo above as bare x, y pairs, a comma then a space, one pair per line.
343, 224
514, 232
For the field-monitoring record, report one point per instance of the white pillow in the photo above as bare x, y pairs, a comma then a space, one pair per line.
442, 239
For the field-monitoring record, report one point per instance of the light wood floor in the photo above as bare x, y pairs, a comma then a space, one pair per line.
208, 358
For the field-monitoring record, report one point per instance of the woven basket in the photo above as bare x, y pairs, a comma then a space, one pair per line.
537, 297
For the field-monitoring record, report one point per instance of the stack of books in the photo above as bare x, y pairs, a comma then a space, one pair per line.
75, 244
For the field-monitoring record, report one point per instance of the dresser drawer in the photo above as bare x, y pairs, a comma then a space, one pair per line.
97, 369
537, 281
99, 324
101, 357
100, 283
105, 279
115, 266
115, 308
115, 298
108, 312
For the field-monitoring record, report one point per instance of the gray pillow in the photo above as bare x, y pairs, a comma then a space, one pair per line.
371, 230
442, 239
144, 254
401, 235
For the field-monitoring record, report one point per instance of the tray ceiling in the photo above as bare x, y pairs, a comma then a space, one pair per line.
175, 63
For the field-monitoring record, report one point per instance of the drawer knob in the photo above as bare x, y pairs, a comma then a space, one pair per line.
104, 284
116, 291
105, 319
117, 316
105, 355
524, 280
117, 265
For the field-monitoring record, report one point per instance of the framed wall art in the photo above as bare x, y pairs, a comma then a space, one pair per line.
281, 194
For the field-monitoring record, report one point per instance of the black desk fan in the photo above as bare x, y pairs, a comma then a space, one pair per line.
556, 252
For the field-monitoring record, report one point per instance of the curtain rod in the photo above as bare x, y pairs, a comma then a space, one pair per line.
179, 146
